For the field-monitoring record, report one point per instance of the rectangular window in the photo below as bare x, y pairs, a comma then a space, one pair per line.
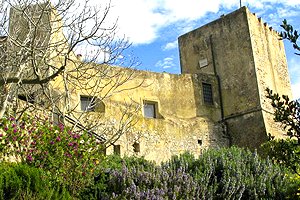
28, 98
87, 103
150, 109
136, 147
117, 149
207, 93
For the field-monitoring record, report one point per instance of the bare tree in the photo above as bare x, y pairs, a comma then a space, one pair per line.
38, 63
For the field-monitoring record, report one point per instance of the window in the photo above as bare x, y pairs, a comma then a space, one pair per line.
117, 149
87, 103
150, 109
28, 98
207, 93
136, 147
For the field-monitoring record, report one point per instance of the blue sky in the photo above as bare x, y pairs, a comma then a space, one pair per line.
153, 27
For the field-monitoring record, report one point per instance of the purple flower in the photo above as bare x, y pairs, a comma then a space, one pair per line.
68, 155
5, 128
15, 130
13, 125
70, 144
29, 158
58, 139
61, 127
51, 142
76, 136
11, 119
1, 135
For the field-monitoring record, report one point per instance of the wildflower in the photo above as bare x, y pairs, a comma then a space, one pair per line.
1, 135
51, 142
58, 139
5, 128
12, 119
15, 130
29, 158
61, 127
70, 144
13, 125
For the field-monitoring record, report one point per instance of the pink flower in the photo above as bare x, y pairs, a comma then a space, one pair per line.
70, 144
58, 139
1, 135
29, 158
15, 130
61, 127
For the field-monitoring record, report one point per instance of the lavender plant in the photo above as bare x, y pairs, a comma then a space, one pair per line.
218, 174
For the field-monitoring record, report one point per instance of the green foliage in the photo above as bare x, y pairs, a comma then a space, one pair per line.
218, 174
117, 162
235, 173
287, 113
19, 181
284, 152
66, 156
290, 34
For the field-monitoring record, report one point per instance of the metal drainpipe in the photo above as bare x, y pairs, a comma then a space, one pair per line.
223, 120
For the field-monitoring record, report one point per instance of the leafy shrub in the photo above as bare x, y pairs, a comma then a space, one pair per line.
218, 174
67, 157
20, 181
117, 162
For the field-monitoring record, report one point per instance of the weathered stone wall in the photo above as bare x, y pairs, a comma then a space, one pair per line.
228, 43
271, 68
178, 127
227, 46
248, 57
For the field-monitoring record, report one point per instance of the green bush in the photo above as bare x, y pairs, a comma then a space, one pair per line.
231, 173
235, 173
20, 181
68, 157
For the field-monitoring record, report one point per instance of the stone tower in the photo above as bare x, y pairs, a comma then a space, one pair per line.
246, 56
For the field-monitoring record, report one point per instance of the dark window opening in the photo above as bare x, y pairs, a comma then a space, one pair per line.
87, 103
150, 109
136, 147
27, 98
200, 142
207, 93
117, 149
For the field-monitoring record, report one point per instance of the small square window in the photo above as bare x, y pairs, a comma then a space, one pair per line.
150, 109
117, 149
136, 147
207, 93
87, 103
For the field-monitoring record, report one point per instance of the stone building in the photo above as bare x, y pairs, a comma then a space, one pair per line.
218, 100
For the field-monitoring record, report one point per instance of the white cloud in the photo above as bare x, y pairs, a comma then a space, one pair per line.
165, 63
141, 20
170, 45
